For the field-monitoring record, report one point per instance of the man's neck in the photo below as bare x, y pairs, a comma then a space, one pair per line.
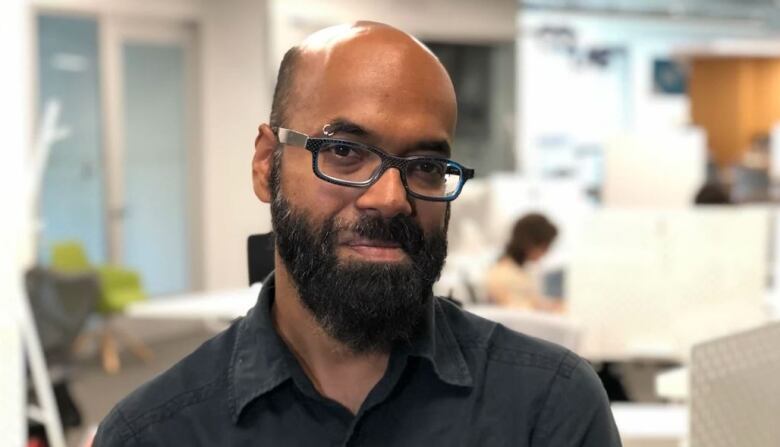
335, 370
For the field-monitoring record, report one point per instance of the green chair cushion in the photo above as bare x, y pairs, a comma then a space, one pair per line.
119, 286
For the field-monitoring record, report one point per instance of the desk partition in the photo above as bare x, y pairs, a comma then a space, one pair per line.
646, 283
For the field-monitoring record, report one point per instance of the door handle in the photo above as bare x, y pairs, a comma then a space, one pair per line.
118, 213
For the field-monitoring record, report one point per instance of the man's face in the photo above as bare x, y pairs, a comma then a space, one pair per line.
397, 101
364, 259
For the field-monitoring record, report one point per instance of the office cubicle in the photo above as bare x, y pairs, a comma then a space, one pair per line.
646, 283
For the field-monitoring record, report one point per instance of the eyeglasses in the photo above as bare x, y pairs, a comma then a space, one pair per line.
349, 163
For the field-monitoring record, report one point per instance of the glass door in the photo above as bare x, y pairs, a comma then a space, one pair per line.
72, 194
152, 217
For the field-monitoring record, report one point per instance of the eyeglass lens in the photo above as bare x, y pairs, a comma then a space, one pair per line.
431, 178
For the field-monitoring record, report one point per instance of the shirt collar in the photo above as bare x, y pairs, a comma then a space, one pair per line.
259, 362
437, 343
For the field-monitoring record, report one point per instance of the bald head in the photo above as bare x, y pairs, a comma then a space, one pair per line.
361, 33
361, 56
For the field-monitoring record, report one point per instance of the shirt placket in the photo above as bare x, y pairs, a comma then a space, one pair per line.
376, 397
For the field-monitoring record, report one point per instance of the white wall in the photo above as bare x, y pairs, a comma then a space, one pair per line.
173, 9
236, 99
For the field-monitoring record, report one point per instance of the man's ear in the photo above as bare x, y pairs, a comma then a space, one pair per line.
265, 144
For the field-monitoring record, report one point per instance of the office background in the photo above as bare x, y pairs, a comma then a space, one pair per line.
607, 116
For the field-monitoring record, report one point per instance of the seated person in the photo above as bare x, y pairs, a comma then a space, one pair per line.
508, 282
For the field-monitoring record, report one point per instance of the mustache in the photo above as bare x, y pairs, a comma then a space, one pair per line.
400, 229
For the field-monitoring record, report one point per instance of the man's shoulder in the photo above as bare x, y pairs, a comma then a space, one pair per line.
567, 395
499, 344
198, 377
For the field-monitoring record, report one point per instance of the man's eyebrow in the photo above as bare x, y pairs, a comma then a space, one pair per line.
345, 126
342, 125
440, 147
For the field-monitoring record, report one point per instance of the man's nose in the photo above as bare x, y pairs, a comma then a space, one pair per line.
387, 196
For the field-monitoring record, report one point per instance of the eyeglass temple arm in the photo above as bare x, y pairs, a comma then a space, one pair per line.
291, 137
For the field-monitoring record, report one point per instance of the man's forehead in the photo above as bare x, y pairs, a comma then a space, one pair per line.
367, 46
367, 66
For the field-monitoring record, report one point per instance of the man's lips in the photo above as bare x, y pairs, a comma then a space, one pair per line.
364, 242
374, 249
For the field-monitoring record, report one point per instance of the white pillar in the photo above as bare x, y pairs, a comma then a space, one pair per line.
17, 330
14, 142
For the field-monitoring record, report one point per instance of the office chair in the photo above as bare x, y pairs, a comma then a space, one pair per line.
260, 256
119, 287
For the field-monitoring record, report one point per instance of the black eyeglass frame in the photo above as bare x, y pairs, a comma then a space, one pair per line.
313, 145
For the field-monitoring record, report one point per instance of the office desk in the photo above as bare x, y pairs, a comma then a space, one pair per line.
673, 384
773, 305
223, 305
234, 303
651, 424
216, 308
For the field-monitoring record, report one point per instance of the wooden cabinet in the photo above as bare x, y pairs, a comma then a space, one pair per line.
735, 100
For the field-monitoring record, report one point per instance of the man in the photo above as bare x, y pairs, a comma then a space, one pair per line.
346, 345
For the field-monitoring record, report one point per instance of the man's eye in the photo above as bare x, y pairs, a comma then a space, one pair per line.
342, 151
429, 168
343, 155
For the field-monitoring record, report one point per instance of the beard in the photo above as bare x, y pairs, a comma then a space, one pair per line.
366, 306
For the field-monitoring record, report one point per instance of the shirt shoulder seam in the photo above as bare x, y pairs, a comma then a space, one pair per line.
129, 432
567, 364
562, 365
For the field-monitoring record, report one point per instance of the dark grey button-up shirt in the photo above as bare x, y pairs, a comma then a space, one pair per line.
465, 381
